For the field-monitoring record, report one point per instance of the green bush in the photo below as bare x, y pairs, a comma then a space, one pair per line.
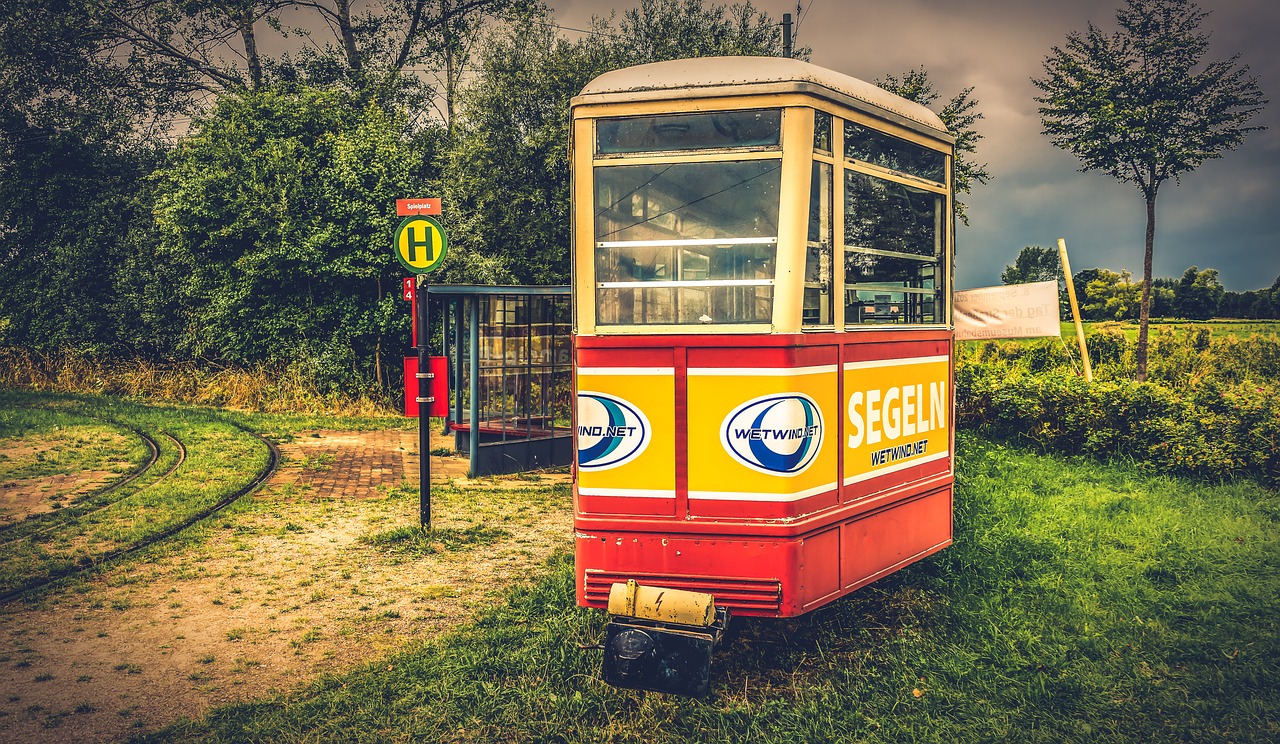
1211, 407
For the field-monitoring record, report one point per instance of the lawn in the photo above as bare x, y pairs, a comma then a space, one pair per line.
1218, 328
201, 459
319, 571
1080, 602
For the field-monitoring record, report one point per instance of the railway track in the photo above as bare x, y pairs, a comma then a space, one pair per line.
93, 502
106, 558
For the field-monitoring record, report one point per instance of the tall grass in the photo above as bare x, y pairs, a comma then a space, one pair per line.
1080, 603
264, 388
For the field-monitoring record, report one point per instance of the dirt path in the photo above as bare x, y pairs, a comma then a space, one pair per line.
282, 591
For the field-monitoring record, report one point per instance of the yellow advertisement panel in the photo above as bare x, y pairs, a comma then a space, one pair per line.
897, 415
762, 434
626, 432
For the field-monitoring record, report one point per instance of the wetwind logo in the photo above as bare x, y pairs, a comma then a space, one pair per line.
611, 431
775, 434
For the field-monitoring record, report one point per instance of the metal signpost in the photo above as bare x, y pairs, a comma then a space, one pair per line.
420, 244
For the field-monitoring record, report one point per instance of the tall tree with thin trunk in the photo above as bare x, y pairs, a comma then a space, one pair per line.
1143, 105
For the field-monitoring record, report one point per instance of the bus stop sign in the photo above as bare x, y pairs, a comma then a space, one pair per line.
420, 243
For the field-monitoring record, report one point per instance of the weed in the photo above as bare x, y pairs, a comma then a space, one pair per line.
413, 541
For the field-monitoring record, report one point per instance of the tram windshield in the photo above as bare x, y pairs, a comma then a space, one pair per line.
685, 242
686, 214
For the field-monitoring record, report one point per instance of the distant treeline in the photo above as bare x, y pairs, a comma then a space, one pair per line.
1104, 294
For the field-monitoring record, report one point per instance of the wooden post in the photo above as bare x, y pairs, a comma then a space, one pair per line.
1075, 309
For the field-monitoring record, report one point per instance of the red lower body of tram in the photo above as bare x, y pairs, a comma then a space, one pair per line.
775, 472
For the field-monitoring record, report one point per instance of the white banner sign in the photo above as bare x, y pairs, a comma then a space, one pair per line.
1009, 311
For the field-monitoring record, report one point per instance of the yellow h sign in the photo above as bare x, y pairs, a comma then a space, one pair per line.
420, 243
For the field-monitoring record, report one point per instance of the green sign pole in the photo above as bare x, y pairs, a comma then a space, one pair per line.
424, 403
419, 244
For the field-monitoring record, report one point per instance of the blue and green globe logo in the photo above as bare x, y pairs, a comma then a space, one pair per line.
775, 434
611, 431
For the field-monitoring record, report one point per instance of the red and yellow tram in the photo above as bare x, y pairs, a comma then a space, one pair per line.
762, 341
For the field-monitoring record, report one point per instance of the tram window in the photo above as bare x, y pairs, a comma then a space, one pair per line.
890, 152
822, 132
686, 243
675, 132
885, 215
818, 254
893, 244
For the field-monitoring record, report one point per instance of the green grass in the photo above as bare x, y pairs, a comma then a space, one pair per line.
413, 541
1218, 328
1080, 603
220, 459
63, 442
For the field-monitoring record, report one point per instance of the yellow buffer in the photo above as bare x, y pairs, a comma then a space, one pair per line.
662, 605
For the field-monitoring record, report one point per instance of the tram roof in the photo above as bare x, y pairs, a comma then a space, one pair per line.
704, 77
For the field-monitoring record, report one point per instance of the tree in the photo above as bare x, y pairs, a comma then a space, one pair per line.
275, 210
1143, 106
506, 179
959, 115
1198, 294
657, 30
1111, 296
1033, 264
1162, 293
74, 163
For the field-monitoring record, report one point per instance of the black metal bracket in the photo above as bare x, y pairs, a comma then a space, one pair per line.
642, 654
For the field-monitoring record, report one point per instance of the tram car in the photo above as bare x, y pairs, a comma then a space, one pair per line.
762, 255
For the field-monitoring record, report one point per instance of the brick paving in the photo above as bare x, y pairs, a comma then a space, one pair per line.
353, 464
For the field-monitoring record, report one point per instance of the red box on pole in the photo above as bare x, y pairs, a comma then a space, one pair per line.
439, 386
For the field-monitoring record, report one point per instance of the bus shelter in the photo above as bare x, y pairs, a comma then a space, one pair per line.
510, 354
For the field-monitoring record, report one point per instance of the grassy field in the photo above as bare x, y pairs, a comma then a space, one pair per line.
319, 571
1079, 603
215, 458
1218, 328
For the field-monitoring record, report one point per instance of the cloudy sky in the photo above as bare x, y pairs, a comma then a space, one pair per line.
1224, 215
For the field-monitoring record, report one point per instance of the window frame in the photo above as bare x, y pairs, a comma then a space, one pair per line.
728, 154
942, 261
798, 124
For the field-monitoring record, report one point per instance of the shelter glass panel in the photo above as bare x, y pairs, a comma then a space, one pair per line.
524, 366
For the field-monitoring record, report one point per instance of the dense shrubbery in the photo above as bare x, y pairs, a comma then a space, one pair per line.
1210, 408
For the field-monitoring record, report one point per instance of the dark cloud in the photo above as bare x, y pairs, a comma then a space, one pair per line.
1223, 215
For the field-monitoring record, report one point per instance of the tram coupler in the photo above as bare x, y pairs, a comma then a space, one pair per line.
661, 640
